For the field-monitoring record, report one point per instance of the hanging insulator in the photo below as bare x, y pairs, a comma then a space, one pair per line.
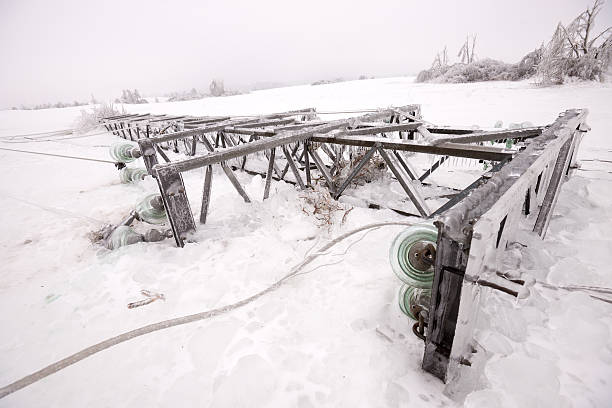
412, 255
128, 175
122, 236
412, 299
151, 210
124, 152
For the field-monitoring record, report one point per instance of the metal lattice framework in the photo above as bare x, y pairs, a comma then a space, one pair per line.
474, 226
389, 132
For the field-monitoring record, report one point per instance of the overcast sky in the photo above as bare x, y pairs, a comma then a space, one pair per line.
65, 50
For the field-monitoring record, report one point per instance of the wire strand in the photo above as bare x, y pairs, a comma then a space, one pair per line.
38, 140
58, 155
48, 133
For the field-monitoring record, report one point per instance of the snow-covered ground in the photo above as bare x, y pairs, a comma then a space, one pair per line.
331, 337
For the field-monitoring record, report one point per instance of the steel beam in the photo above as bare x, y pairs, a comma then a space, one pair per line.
411, 191
269, 174
293, 167
323, 170
492, 136
364, 160
447, 149
206, 194
433, 168
552, 193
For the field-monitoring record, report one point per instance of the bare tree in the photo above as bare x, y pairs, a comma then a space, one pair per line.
441, 60
466, 53
578, 33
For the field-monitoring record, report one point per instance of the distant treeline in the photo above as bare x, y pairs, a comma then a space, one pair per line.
336, 80
50, 105
216, 88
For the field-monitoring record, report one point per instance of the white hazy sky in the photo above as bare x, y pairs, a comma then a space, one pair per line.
62, 50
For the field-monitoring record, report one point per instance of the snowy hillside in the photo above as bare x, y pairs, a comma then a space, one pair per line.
334, 335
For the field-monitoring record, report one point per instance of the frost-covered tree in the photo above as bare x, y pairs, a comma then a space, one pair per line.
466, 53
576, 51
441, 59
90, 118
216, 87
127, 96
438, 67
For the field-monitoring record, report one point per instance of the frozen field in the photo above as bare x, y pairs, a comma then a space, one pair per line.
331, 337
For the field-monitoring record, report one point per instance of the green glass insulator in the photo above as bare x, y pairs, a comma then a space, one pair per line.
128, 175
123, 152
409, 297
407, 255
122, 236
151, 210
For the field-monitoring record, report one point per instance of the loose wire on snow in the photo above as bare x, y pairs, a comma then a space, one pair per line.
113, 341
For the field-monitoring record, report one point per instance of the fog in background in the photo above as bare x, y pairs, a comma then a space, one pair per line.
68, 50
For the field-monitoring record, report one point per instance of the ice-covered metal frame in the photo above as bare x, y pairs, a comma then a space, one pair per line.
222, 138
284, 132
474, 228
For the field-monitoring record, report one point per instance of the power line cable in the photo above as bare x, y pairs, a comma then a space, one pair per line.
58, 155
